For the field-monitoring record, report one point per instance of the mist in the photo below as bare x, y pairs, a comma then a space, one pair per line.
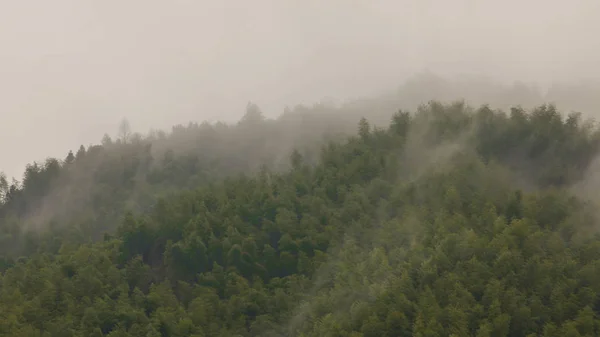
71, 70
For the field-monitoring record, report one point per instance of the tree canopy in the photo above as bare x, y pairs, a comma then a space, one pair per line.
449, 221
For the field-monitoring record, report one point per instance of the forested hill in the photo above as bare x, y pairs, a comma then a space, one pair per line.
85, 194
450, 221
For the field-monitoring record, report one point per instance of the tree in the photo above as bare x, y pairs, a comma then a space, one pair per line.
106, 140
296, 159
364, 128
124, 130
80, 153
4, 187
70, 157
253, 115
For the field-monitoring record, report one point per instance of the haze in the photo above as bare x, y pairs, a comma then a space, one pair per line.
71, 69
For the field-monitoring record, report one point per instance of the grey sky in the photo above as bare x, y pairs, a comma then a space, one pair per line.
71, 69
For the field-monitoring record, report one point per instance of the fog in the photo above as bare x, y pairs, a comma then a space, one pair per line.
71, 69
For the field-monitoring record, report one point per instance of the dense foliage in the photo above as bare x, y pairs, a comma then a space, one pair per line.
86, 194
449, 222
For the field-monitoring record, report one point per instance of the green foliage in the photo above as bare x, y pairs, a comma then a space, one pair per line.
450, 222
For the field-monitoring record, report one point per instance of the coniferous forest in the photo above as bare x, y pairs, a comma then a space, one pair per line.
449, 220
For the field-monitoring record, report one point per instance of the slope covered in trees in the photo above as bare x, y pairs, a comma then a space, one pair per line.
84, 195
448, 222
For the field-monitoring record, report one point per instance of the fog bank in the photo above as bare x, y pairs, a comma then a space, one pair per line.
70, 70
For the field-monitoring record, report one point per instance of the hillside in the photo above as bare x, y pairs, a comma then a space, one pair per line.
82, 196
85, 195
449, 221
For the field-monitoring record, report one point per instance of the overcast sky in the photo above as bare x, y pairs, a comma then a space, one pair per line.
71, 69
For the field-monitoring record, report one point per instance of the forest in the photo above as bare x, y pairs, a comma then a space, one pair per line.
446, 220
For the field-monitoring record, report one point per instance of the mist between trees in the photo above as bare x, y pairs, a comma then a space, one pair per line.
376, 217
